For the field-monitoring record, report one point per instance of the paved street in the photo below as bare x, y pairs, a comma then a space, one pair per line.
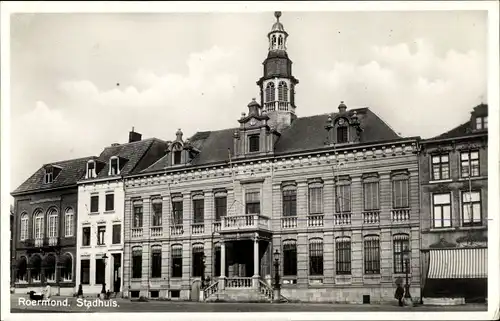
123, 305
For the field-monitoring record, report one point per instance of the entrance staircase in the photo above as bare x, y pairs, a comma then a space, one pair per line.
239, 289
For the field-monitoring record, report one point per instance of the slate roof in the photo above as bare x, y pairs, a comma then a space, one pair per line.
465, 128
136, 155
71, 171
305, 134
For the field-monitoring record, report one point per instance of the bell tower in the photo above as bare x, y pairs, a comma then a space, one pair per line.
277, 85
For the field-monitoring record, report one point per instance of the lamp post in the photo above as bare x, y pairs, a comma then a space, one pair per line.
277, 282
103, 291
406, 254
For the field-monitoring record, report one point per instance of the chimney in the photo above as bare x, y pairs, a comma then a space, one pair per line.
134, 136
342, 107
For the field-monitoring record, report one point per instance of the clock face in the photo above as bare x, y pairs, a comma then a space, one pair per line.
341, 121
253, 122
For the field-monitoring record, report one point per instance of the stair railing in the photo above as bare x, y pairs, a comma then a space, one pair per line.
211, 289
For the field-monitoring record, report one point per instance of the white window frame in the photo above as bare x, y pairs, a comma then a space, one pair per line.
91, 173
53, 222
38, 226
465, 202
69, 216
111, 172
442, 218
23, 235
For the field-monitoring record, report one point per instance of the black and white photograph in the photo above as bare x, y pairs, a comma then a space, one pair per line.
300, 160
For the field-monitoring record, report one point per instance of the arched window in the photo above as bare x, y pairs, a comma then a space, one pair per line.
343, 255
270, 93
36, 268
49, 266
91, 172
274, 40
156, 261
67, 267
68, 222
176, 259
282, 91
53, 219
23, 235
22, 270
38, 225
342, 131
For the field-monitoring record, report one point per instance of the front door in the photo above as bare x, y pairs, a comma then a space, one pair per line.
117, 280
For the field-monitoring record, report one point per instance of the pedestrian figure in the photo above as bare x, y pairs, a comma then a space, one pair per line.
399, 294
80, 291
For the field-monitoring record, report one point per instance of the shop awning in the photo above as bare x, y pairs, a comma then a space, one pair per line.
471, 263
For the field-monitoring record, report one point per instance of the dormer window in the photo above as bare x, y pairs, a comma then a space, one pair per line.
342, 134
482, 122
114, 168
49, 175
91, 172
177, 157
253, 143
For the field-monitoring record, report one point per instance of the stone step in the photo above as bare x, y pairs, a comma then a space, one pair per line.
238, 295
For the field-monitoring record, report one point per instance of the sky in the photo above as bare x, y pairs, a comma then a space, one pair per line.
81, 81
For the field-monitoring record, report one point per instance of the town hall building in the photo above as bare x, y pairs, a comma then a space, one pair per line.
333, 197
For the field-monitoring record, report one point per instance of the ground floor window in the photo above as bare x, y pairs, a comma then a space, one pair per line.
316, 257
50, 268
85, 271
198, 260
22, 270
217, 261
67, 267
176, 261
100, 271
136, 263
156, 262
289, 258
36, 268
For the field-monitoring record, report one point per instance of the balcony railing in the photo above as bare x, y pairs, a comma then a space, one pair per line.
400, 215
136, 232
289, 222
157, 231
247, 222
315, 220
342, 218
52, 241
176, 230
198, 228
371, 217
239, 282
38, 242
277, 105
216, 226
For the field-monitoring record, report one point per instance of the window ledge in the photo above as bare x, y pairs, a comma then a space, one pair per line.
478, 227
442, 229
68, 236
101, 245
85, 247
93, 213
463, 179
109, 212
440, 181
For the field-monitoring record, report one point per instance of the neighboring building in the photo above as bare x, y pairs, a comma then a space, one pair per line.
44, 236
335, 194
100, 204
454, 210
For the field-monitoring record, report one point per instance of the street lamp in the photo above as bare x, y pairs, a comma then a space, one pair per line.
277, 275
103, 291
406, 256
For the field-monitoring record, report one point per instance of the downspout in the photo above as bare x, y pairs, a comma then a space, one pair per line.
422, 253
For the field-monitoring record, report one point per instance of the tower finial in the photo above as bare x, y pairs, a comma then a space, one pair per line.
277, 14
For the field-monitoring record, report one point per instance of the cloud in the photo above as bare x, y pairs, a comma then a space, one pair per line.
411, 87
156, 105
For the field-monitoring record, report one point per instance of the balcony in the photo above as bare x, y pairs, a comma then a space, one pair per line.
176, 230
315, 220
342, 219
371, 217
197, 228
157, 231
136, 232
248, 222
289, 222
400, 215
